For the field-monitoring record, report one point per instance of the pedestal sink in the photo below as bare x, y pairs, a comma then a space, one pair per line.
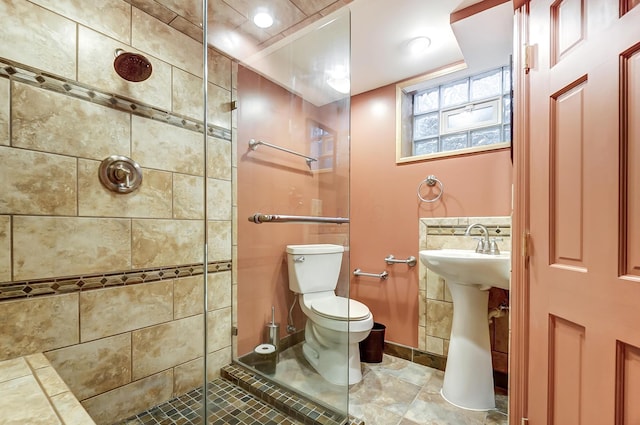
468, 378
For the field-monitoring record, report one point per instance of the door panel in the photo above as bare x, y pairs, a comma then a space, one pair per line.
584, 360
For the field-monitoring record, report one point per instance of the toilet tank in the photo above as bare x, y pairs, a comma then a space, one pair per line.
314, 268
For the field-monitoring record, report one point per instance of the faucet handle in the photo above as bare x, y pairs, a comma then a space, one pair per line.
493, 246
480, 247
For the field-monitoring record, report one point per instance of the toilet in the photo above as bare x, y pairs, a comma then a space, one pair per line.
335, 325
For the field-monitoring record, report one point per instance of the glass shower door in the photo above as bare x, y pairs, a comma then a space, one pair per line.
292, 160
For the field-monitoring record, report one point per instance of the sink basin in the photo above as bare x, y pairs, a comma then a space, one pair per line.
469, 267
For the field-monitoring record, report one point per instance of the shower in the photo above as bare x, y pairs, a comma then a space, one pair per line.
132, 66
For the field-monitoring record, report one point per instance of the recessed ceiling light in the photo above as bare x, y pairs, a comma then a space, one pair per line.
263, 20
419, 45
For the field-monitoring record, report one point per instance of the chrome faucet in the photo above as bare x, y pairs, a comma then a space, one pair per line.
485, 245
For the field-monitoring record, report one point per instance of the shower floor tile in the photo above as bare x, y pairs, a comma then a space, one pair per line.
229, 404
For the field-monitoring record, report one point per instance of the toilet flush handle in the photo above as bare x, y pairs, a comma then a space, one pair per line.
298, 259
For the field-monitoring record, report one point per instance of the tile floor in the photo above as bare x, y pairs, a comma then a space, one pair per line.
394, 392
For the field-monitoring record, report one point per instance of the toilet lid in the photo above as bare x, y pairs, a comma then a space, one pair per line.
340, 308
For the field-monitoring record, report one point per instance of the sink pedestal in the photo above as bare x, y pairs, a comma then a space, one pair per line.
468, 378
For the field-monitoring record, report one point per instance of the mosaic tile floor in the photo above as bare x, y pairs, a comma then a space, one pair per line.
394, 392
228, 405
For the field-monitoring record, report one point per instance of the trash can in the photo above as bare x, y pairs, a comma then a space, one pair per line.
372, 347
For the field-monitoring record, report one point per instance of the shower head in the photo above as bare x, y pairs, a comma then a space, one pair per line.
132, 66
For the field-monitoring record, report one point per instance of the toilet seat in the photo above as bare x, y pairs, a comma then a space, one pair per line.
340, 308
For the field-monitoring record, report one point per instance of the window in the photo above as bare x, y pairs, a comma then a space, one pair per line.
321, 146
460, 116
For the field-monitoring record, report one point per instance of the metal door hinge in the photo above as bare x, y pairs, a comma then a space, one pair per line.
524, 421
234, 105
528, 58
234, 331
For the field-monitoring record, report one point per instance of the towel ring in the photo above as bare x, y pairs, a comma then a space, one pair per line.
431, 181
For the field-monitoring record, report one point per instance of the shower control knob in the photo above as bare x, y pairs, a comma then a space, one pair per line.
120, 174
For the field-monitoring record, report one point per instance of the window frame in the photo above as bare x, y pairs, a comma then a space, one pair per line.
405, 115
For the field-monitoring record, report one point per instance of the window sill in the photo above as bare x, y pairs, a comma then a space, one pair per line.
449, 154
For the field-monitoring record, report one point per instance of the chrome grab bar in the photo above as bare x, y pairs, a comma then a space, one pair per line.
260, 218
411, 261
253, 145
382, 276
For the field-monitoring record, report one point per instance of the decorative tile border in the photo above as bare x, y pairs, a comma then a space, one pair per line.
65, 285
459, 230
39, 78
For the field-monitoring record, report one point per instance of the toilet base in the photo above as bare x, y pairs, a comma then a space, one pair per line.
337, 363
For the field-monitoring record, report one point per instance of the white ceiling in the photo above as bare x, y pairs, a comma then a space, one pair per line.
380, 30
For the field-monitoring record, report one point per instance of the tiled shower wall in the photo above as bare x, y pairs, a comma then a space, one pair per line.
435, 303
126, 347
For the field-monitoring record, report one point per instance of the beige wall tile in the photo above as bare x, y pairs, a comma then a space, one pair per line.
219, 104
187, 99
219, 69
219, 329
41, 121
435, 345
37, 37
422, 306
111, 17
219, 285
439, 315
65, 246
191, 10
186, 27
71, 410
217, 360
96, 54
154, 9
110, 311
188, 296
188, 196
219, 240
166, 242
188, 376
166, 147
150, 353
219, 199
5, 248
134, 398
38, 324
168, 44
94, 367
219, 158
4, 111
152, 199
422, 338
37, 183
24, 392
435, 286
187, 94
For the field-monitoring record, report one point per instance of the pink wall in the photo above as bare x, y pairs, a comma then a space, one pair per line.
385, 208
274, 182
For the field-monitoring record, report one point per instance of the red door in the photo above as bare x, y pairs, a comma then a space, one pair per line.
584, 347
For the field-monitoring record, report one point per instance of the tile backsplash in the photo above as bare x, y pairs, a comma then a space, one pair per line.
435, 303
